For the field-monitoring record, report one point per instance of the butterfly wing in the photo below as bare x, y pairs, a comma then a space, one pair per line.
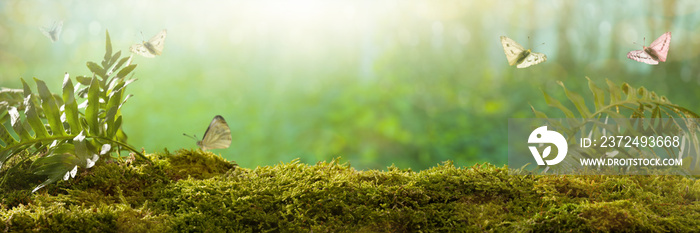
661, 46
156, 44
54, 32
47, 33
512, 50
217, 136
152, 47
641, 56
532, 59
141, 49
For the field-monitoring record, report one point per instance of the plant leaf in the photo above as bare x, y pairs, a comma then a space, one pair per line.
555, 103
54, 166
615, 95
93, 107
121, 62
113, 60
48, 103
84, 80
96, 69
124, 72
629, 91
17, 125
108, 46
538, 114
81, 149
598, 94
70, 106
6, 137
46, 113
112, 130
34, 121
578, 101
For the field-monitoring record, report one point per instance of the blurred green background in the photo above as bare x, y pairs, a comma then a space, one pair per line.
409, 83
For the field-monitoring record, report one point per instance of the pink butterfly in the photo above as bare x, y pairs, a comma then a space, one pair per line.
656, 52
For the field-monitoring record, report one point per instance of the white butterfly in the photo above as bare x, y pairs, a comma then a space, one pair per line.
516, 54
217, 136
152, 47
52, 32
655, 53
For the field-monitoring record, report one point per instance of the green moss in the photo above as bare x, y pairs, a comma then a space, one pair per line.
77, 218
194, 191
196, 164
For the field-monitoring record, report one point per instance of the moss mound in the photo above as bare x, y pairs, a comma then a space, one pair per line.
197, 191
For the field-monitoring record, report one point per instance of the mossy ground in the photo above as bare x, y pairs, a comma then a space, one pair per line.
194, 191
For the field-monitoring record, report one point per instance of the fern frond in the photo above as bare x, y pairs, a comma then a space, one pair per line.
629, 107
52, 124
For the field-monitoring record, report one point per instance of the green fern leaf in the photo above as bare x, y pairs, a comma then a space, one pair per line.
93, 107
598, 95
32, 113
18, 126
108, 47
52, 124
6, 137
578, 101
555, 103
628, 106
70, 106
48, 103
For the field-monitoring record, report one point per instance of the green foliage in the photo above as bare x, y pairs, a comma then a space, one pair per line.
51, 128
628, 107
333, 197
623, 102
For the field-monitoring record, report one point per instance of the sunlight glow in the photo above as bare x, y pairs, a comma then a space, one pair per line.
300, 13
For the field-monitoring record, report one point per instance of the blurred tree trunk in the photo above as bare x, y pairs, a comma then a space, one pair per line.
616, 53
564, 52
673, 67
